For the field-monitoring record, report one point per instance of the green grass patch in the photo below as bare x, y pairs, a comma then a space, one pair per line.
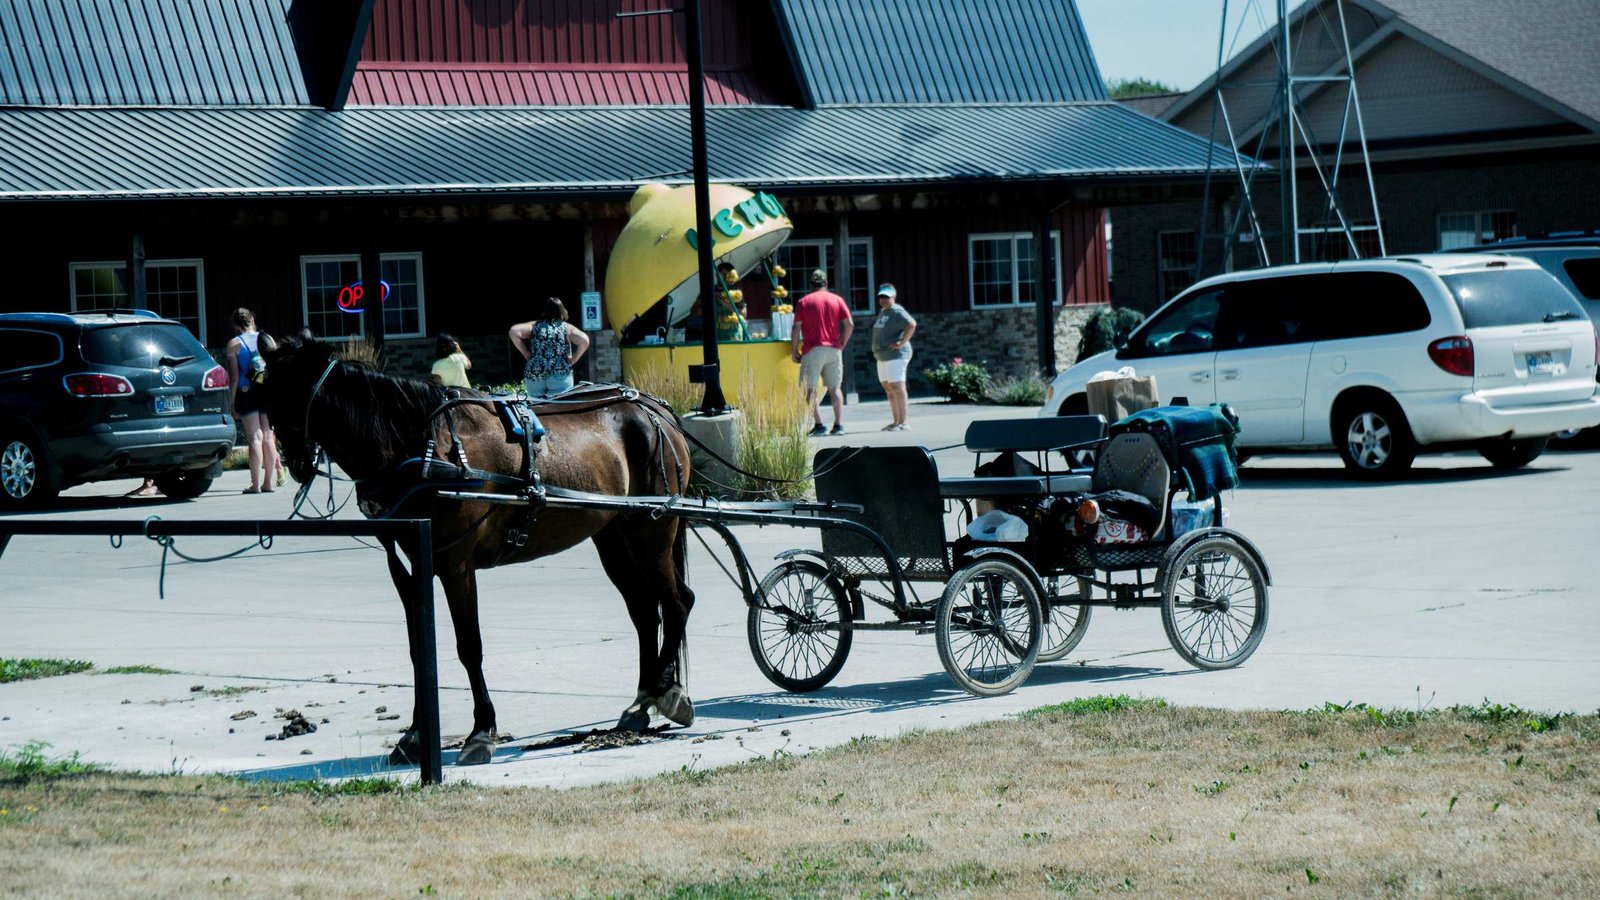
1487, 713
1099, 703
1510, 714
29, 762
28, 669
353, 787
136, 670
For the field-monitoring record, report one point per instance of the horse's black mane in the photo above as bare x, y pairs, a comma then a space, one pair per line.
385, 413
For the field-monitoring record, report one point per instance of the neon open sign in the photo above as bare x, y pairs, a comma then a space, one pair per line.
350, 296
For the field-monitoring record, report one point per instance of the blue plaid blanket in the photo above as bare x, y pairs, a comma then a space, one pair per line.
1198, 443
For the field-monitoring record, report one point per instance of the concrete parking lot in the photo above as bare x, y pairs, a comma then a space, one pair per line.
1460, 584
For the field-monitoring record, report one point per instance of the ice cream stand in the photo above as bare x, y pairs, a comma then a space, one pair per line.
652, 287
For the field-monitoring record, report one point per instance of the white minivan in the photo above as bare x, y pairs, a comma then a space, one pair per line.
1378, 359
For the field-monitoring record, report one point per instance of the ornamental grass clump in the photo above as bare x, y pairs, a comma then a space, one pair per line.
772, 443
1025, 391
961, 382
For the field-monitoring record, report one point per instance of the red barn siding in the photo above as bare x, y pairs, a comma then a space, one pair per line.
563, 52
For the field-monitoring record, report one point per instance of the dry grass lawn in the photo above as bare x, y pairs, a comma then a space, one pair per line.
1145, 800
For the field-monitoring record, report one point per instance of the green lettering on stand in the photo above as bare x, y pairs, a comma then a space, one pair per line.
725, 224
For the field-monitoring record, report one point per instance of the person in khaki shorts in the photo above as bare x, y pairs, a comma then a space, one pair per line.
822, 328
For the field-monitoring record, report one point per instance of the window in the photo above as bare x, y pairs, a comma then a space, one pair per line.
333, 311
174, 289
799, 258
22, 349
1330, 244
1263, 312
1176, 258
1467, 229
1000, 268
138, 346
1511, 297
1187, 326
1364, 304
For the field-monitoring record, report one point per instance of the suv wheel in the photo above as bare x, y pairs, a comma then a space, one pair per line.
1513, 454
184, 484
1373, 438
25, 474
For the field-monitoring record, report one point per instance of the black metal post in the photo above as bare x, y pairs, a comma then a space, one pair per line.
710, 369
138, 296
1043, 298
372, 295
427, 661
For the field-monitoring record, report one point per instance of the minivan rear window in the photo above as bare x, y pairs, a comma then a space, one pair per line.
139, 346
1511, 297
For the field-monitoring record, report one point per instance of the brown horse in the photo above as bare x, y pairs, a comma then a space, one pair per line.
603, 441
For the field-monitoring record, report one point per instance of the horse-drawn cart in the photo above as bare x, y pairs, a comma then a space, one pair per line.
1106, 537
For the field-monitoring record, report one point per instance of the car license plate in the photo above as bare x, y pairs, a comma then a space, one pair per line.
172, 403
1541, 364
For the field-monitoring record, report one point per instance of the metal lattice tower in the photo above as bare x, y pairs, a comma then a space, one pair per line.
1287, 133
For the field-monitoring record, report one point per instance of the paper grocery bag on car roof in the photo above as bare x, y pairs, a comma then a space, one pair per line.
1117, 398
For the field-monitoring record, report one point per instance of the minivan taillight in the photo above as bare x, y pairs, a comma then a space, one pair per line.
1452, 354
97, 384
216, 379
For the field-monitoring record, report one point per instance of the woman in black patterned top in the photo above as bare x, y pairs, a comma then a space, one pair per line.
551, 345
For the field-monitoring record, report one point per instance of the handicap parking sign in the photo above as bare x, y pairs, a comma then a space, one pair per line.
590, 302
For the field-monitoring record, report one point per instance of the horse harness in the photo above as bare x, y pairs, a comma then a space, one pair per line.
386, 493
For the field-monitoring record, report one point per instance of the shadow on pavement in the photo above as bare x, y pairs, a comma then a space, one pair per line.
1321, 478
101, 502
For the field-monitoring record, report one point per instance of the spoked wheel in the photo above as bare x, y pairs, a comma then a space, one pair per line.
788, 637
1065, 622
1214, 603
989, 627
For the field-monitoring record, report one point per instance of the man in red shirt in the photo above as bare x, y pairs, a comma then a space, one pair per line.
822, 328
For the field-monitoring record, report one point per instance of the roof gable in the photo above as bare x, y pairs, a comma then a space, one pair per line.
1549, 46
148, 53
941, 51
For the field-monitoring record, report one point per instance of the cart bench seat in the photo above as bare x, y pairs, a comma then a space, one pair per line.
1013, 486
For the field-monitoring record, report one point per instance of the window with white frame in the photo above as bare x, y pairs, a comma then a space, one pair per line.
328, 285
1464, 229
1000, 268
799, 257
174, 289
1177, 256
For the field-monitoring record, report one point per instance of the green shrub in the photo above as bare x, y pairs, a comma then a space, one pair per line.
961, 382
1102, 327
1026, 391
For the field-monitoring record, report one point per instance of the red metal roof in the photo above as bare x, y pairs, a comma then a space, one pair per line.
562, 53
433, 84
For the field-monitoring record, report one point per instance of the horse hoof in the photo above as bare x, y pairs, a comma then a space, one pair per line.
408, 751
478, 750
676, 706
634, 719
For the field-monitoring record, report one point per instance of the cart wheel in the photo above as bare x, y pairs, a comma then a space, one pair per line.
1065, 622
989, 627
787, 637
1214, 604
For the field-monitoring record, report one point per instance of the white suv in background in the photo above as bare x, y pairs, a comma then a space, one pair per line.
1378, 359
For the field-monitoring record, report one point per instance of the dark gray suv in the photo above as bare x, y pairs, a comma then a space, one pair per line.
95, 396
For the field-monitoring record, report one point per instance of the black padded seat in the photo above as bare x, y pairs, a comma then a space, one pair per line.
1013, 486
1034, 434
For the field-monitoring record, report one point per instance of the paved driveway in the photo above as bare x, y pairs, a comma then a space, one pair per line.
1458, 585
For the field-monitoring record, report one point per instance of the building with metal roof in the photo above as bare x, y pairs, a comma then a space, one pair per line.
479, 152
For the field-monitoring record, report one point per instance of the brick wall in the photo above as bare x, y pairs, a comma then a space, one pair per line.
1004, 341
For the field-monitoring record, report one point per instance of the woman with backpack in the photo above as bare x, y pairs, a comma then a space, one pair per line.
246, 371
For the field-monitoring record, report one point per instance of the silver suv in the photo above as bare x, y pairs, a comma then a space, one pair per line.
1378, 359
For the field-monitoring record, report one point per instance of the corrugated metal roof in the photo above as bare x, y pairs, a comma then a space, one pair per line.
942, 51
148, 52
422, 84
110, 153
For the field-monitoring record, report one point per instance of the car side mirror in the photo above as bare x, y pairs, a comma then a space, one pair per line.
1120, 339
